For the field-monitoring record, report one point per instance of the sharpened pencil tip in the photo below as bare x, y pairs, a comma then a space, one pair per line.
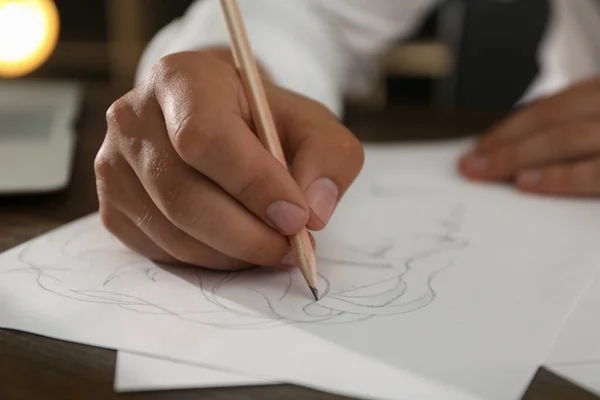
315, 293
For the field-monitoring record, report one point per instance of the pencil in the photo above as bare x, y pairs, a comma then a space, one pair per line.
265, 126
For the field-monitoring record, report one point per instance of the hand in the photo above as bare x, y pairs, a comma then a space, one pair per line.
181, 177
551, 147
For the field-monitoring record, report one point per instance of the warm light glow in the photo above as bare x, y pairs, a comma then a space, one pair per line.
28, 34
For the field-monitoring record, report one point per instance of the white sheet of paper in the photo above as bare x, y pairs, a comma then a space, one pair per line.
461, 283
63, 296
137, 372
576, 354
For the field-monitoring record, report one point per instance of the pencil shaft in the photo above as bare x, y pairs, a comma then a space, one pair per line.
265, 126
252, 81
305, 256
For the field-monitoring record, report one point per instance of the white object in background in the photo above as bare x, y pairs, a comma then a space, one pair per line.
37, 135
570, 50
576, 354
296, 42
434, 282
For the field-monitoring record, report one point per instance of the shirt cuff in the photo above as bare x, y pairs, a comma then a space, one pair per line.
288, 63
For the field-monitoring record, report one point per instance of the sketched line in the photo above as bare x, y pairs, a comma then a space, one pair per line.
447, 240
288, 287
353, 263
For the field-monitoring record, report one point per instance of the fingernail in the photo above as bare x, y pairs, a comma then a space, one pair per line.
322, 196
288, 218
529, 179
476, 163
289, 260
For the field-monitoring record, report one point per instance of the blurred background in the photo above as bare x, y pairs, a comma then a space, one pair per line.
461, 71
468, 53
466, 57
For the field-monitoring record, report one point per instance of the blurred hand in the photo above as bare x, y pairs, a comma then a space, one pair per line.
181, 176
552, 146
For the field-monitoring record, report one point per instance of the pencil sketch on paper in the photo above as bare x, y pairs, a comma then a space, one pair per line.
382, 262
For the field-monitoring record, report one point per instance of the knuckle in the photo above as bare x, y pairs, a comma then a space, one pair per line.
185, 65
185, 135
192, 140
111, 219
349, 144
167, 67
104, 164
350, 151
115, 111
120, 114
176, 67
109, 181
354, 149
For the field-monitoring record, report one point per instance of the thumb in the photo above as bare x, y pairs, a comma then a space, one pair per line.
325, 159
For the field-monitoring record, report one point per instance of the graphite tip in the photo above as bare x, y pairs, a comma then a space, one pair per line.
315, 293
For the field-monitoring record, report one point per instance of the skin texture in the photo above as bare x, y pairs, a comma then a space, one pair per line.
550, 147
182, 178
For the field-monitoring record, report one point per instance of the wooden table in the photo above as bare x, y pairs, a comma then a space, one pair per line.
33, 367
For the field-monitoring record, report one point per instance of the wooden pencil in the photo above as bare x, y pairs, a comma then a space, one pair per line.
265, 126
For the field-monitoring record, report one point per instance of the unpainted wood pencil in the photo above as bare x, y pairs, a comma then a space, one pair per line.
265, 127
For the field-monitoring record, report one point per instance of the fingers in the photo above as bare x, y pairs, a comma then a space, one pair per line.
579, 179
579, 102
206, 118
134, 215
198, 183
131, 236
326, 157
188, 200
561, 143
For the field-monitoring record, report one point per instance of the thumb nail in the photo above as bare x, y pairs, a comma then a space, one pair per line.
322, 196
288, 218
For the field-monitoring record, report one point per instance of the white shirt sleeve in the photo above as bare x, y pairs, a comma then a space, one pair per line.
323, 49
570, 50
